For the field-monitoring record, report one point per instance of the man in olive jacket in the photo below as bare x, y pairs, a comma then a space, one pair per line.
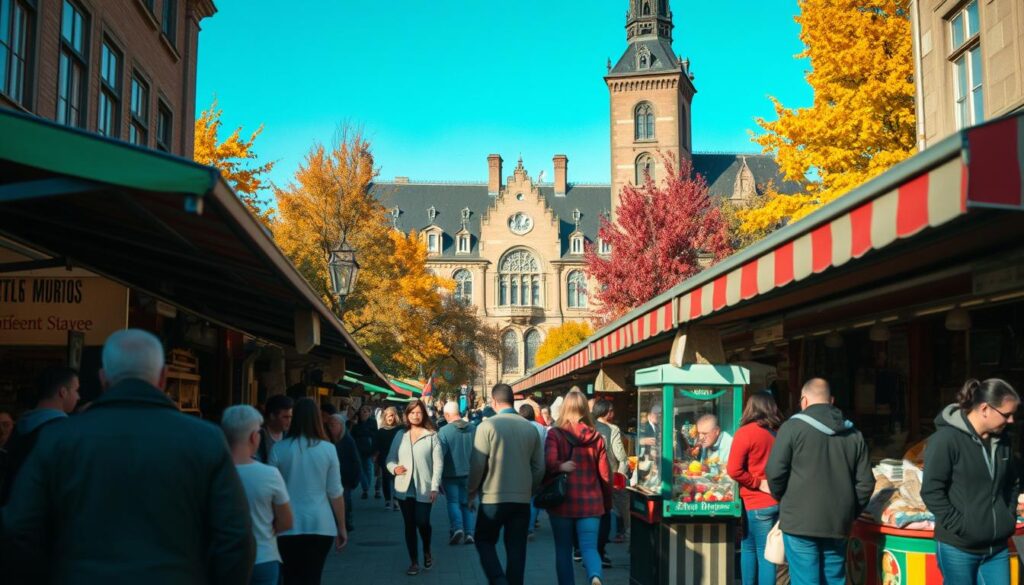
130, 491
820, 472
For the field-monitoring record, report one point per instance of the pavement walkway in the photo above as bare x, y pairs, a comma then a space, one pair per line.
376, 555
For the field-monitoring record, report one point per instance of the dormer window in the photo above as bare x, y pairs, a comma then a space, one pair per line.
431, 213
604, 248
466, 213
643, 57
434, 238
576, 244
464, 244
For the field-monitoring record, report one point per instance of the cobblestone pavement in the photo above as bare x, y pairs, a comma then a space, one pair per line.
376, 555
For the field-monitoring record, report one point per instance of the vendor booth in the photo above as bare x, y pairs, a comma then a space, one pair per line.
683, 503
896, 293
115, 235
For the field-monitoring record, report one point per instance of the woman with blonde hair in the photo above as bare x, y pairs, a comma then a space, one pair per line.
575, 448
391, 423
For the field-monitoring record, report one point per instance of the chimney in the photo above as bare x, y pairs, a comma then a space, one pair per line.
493, 174
561, 167
402, 180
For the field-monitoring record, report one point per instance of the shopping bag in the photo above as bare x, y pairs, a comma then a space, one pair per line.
774, 549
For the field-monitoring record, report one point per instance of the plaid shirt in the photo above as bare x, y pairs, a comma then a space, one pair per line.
589, 489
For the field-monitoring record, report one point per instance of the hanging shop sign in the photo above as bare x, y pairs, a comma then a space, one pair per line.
38, 310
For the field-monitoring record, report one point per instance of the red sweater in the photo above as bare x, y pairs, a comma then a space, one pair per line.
747, 460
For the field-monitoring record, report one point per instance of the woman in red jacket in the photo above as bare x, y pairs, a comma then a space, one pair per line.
747, 459
574, 447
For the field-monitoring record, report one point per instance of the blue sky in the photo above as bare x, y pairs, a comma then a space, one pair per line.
438, 85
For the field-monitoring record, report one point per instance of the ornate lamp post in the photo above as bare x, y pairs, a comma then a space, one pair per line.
344, 269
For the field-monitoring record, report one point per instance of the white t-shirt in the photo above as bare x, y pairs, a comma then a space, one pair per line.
313, 477
264, 487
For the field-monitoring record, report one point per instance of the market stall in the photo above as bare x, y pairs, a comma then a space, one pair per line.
685, 507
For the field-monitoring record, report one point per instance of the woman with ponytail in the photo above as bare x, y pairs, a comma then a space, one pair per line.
971, 484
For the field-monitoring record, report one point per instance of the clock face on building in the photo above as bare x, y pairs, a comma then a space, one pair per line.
520, 223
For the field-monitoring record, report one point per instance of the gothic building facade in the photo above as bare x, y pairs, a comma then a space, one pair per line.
514, 245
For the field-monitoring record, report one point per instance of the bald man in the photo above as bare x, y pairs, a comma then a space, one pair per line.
820, 472
130, 491
456, 440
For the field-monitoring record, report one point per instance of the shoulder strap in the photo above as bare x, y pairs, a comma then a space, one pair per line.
815, 424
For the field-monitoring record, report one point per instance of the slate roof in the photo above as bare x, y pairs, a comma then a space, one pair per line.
414, 199
662, 58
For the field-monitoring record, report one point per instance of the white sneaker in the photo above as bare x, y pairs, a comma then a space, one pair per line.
457, 537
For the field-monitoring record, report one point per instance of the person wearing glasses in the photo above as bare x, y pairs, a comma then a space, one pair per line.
971, 484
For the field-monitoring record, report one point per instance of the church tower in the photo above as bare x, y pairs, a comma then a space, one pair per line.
651, 90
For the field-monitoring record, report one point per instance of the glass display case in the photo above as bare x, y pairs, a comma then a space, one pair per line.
686, 419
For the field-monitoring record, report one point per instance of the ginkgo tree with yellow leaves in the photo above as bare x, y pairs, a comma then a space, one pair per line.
861, 121
399, 312
235, 158
561, 339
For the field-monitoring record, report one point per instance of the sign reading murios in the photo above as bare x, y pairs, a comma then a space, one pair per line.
38, 310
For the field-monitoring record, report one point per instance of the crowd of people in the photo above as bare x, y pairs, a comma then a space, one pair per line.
133, 490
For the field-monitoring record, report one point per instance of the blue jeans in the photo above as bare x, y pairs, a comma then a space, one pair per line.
815, 561
964, 568
265, 573
456, 493
586, 530
534, 512
366, 479
755, 569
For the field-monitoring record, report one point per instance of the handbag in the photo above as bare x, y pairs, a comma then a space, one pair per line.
554, 491
774, 549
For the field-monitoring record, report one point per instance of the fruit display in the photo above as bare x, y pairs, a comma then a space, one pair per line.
696, 482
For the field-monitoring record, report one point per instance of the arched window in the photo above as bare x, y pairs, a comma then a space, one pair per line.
463, 285
647, 9
577, 290
644, 168
643, 122
662, 8
509, 352
532, 342
519, 280
643, 62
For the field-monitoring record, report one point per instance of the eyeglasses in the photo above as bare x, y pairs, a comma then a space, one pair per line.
1006, 416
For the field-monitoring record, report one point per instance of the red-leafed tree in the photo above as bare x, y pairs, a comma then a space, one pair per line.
661, 233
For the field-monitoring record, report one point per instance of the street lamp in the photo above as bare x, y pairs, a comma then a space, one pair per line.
344, 269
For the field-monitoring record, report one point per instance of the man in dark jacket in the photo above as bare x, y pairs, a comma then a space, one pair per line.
364, 432
456, 440
820, 472
130, 491
56, 397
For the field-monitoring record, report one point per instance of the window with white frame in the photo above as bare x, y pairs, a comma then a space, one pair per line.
603, 247
464, 244
519, 280
576, 244
965, 56
577, 285
463, 285
643, 122
509, 352
433, 242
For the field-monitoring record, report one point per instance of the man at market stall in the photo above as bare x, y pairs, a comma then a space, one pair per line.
278, 419
713, 442
820, 473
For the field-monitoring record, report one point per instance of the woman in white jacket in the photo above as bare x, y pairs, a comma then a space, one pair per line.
417, 463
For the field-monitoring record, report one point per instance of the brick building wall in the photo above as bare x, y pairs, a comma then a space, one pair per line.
136, 29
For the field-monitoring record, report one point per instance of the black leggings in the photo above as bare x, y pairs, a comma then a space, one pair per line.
387, 483
417, 517
302, 557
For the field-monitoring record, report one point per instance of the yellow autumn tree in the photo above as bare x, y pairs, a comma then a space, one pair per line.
561, 339
236, 159
861, 121
399, 312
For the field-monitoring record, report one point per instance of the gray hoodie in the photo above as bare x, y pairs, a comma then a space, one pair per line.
457, 445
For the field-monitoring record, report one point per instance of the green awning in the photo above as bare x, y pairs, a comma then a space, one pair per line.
415, 391
370, 387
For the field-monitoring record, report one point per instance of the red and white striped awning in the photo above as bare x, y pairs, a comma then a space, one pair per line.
982, 167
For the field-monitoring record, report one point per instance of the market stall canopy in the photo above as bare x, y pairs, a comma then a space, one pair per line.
977, 169
413, 390
164, 226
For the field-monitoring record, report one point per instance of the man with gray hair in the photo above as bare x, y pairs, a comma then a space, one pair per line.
456, 440
264, 487
130, 491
